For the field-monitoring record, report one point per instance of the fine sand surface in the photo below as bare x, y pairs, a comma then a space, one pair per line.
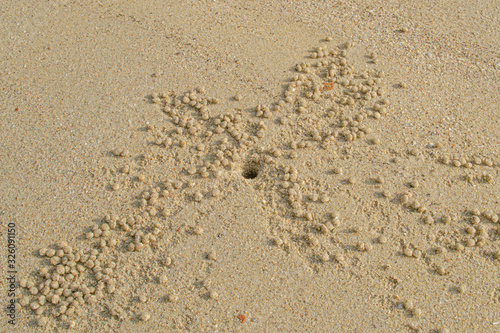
251, 166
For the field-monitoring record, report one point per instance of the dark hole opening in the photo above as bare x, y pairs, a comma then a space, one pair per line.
251, 171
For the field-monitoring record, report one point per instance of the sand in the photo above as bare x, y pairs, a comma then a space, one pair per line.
235, 166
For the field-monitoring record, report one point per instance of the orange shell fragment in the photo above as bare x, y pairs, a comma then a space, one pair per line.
327, 86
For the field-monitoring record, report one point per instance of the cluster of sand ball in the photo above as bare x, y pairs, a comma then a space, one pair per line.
328, 101
73, 279
469, 163
329, 98
216, 142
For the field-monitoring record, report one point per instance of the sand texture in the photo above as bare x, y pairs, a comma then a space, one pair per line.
250, 166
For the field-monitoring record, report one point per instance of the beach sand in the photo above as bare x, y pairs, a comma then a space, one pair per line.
262, 166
